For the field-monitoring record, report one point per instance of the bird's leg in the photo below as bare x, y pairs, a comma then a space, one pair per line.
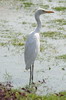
32, 71
30, 76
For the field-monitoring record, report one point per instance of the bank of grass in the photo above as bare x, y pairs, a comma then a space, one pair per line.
8, 93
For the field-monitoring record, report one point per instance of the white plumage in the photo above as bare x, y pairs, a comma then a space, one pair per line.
32, 45
32, 48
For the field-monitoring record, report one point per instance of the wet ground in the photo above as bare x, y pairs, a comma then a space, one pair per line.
16, 22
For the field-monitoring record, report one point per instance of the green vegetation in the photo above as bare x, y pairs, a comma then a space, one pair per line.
63, 68
59, 8
60, 28
42, 48
12, 39
60, 21
49, 68
33, 25
27, 4
17, 42
24, 23
62, 57
62, 1
50, 0
44, 6
8, 93
3, 44
53, 34
49, 34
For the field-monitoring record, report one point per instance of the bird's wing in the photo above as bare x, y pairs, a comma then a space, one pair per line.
31, 50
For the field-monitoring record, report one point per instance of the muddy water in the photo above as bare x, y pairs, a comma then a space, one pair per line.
15, 23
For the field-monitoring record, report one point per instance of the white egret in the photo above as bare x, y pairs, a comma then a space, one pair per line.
32, 45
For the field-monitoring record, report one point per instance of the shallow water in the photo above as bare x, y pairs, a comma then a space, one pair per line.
15, 23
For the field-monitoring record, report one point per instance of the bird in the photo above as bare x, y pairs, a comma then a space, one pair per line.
32, 44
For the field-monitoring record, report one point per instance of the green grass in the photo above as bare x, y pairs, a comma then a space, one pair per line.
12, 39
62, 57
60, 21
62, 1
44, 6
14, 42
53, 34
60, 28
17, 42
50, 0
27, 4
42, 48
49, 34
3, 44
24, 23
59, 8
33, 25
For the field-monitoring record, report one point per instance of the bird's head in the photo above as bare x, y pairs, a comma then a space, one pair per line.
42, 11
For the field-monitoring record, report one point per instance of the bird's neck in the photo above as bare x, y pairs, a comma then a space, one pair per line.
38, 23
